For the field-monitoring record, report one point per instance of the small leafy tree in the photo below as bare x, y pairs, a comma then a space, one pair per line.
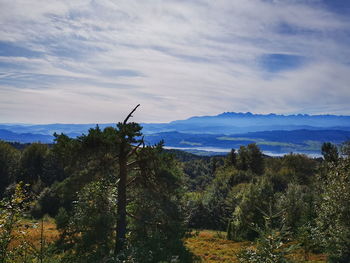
254, 198
11, 212
294, 202
272, 243
214, 200
256, 160
308, 237
250, 158
88, 230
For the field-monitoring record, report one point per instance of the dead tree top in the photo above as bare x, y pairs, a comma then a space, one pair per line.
130, 114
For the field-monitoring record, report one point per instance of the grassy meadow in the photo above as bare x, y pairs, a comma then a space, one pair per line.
208, 246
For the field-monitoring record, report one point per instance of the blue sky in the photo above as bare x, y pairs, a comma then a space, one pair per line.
92, 61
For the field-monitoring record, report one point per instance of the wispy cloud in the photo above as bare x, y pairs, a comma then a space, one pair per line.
92, 61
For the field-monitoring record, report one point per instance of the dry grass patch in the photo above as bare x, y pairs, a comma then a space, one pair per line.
30, 231
212, 247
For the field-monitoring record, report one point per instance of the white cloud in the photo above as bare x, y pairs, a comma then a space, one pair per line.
184, 58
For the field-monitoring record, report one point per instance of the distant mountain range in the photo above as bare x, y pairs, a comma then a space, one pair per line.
273, 133
10, 136
233, 123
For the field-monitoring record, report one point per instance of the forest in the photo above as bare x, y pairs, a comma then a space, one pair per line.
110, 197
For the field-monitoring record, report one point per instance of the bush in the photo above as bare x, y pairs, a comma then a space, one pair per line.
254, 199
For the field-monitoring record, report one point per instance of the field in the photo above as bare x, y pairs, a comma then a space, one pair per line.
208, 246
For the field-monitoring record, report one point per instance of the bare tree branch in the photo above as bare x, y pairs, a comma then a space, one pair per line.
130, 114
136, 147
131, 181
131, 163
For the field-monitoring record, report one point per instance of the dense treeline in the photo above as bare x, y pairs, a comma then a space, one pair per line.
115, 199
257, 198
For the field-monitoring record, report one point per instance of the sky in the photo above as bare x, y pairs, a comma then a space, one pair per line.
92, 61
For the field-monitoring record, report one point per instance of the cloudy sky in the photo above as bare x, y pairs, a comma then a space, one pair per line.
93, 61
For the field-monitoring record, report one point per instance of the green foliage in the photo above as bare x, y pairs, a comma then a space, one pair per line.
272, 245
254, 199
106, 164
256, 160
14, 245
83, 160
345, 148
279, 181
299, 168
308, 236
250, 158
243, 159
334, 210
62, 221
46, 203
199, 172
12, 209
64, 151
214, 199
8, 165
295, 204
88, 231
330, 152
32, 163
231, 158
196, 212
213, 208
79, 180
53, 170
156, 218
